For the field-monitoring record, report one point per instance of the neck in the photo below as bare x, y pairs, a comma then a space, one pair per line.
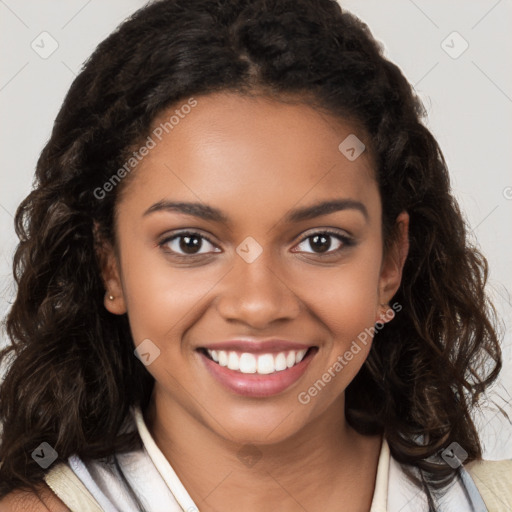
321, 463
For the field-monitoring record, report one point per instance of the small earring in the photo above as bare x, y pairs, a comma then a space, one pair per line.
111, 297
383, 316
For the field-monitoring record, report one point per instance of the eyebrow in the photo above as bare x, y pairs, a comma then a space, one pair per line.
296, 215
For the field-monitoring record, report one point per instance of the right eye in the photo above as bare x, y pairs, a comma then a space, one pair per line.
185, 244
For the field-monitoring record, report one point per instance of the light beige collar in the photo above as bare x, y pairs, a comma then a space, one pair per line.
380, 494
162, 465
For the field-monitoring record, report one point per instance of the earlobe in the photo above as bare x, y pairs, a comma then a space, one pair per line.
114, 301
385, 315
114, 295
392, 266
115, 305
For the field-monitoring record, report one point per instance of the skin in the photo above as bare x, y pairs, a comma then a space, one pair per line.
255, 159
27, 501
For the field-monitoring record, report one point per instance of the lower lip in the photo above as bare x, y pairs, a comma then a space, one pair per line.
253, 384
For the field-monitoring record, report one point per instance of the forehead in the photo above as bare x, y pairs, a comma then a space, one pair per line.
251, 155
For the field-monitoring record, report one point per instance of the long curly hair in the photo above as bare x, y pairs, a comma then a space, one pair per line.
73, 375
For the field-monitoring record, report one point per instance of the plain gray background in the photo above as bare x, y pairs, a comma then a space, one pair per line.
455, 53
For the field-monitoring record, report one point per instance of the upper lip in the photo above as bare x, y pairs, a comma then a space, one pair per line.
274, 345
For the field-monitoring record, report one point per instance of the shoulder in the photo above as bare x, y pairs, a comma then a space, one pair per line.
496, 469
493, 477
27, 501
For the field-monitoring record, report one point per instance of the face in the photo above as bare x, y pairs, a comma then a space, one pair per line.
251, 270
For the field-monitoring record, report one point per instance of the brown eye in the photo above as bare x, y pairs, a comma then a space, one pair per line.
322, 242
187, 244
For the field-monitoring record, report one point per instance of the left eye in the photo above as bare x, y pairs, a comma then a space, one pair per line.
322, 241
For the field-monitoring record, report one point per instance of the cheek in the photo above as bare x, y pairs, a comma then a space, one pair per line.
346, 301
160, 298
346, 298
161, 302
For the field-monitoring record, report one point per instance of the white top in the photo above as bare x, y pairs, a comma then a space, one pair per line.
158, 488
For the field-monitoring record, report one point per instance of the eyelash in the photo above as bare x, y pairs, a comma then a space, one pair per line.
346, 242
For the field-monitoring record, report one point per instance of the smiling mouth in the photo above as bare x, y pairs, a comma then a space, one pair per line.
260, 364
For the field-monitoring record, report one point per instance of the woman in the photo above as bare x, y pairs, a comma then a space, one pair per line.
243, 283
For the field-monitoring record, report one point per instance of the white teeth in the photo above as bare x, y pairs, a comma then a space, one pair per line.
299, 356
280, 362
247, 363
223, 358
233, 361
262, 364
266, 364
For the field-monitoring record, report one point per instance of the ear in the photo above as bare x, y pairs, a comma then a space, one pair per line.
392, 266
114, 300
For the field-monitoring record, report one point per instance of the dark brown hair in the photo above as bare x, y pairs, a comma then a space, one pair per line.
74, 375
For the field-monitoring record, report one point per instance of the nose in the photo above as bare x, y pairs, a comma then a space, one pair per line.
257, 294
